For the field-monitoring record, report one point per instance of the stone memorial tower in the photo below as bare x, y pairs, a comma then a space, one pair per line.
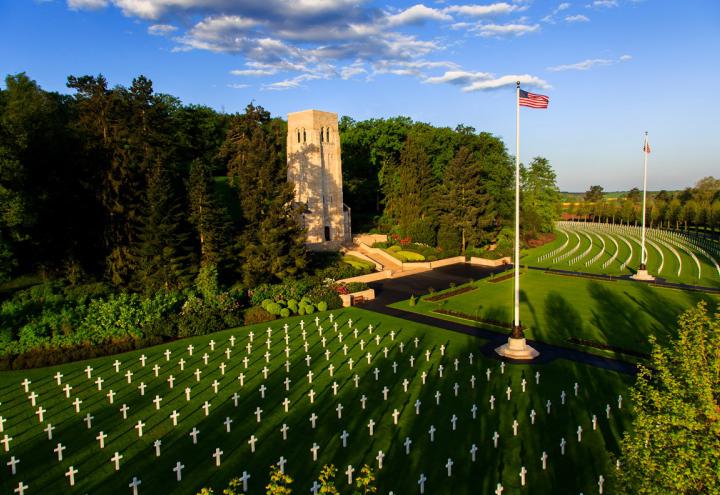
315, 168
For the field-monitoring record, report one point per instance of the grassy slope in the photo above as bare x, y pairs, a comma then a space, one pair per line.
575, 472
555, 308
689, 274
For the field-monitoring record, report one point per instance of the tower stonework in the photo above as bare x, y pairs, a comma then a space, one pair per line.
315, 168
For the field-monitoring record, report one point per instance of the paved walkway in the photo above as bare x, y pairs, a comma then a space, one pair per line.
393, 290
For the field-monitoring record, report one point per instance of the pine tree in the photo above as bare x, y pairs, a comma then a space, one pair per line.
165, 258
210, 220
465, 202
271, 242
409, 191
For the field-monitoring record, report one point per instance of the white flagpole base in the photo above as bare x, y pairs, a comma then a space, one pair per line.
517, 349
643, 276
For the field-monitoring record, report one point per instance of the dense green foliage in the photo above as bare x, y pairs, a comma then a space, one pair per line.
697, 207
674, 445
438, 186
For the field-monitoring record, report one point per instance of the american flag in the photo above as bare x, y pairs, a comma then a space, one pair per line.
532, 100
646, 147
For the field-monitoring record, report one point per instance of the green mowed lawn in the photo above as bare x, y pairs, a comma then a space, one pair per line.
576, 471
555, 308
663, 265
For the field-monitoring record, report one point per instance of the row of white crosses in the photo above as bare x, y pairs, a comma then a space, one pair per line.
140, 425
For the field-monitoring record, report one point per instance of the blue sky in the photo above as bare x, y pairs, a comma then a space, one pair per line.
612, 68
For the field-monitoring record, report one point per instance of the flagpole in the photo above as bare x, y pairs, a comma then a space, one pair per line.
516, 347
517, 331
642, 273
643, 258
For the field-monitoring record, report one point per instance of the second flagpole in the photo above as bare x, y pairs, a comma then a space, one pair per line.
517, 331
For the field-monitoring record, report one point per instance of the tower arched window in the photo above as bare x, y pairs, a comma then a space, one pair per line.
327, 134
298, 134
304, 136
322, 129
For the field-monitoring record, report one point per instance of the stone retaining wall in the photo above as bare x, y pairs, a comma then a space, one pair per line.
485, 262
349, 299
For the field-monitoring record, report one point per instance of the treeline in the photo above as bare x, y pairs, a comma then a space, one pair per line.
121, 183
452, 188
696, 208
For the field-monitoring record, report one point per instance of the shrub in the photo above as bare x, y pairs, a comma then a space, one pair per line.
325, 293
284, 313
257, 314
356, 286
408, 256
309, 309
322, 306
413, 300
273, 308
203, 322
292, 305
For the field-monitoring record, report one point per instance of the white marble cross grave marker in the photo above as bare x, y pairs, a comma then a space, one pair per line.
115, 459
523, 472
344, 436
314, 449
134, 484
217, 455
13, 463
178, 470
101, 439
371, 427
139, 427
562, 446
71, 474
194, 434
449, 466
20, 490
495, 438
544, 458
379, 458
251, 442
58, 450
432, 431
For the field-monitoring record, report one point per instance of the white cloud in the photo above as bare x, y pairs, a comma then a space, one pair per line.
482, 81
292, 83
577, 18
417, 14
460, 77
562, 6
238, 86
253, 72
87, 4
589, 64
603, 4
493, 30
350, 71
484, 10
504, 81
161, 29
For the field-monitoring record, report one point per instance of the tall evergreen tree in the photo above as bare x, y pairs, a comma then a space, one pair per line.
164, 258
271, 240
410, 189
210, 220
463, 198
540, 197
